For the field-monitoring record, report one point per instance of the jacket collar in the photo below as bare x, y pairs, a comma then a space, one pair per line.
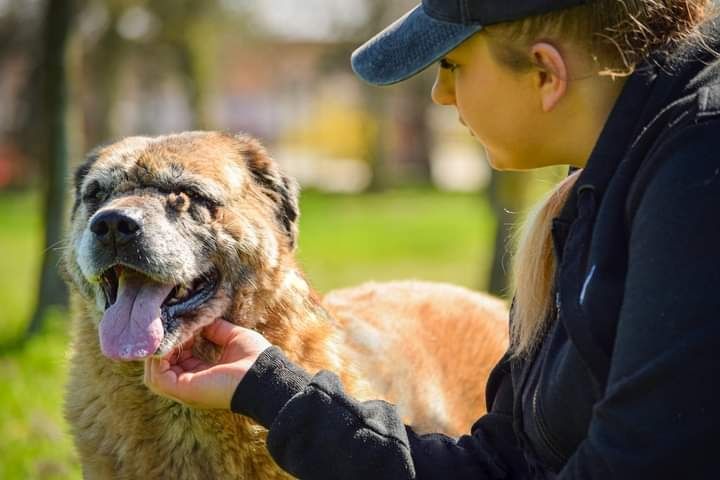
620, 129
650, 90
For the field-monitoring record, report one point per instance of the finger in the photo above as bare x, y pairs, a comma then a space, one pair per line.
193, 365
147, 372
187, 346
174, 382
208, 388
149, 377
181, 352
160, 376
154, 371
184, 354
220, 332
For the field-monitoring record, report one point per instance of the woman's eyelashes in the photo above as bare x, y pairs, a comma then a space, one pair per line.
447, 65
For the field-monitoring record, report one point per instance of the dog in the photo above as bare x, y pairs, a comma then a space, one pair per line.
169, 233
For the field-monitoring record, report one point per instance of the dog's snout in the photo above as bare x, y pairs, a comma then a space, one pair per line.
114, 226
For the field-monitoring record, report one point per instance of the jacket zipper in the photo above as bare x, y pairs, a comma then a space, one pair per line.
537, 414
544, 434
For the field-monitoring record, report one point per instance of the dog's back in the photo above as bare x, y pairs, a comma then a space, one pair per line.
427, 347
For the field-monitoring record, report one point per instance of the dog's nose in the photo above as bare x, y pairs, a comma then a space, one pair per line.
114, 226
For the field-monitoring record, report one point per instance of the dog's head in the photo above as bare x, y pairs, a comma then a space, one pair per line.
166, 231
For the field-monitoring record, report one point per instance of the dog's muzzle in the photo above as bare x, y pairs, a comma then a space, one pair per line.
143, 303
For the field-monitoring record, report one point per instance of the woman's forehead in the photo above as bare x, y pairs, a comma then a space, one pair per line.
470, 48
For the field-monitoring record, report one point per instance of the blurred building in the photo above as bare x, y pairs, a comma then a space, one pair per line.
281, 74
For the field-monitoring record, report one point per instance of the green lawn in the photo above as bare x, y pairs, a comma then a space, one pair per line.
346, 240
343, 240
33, 437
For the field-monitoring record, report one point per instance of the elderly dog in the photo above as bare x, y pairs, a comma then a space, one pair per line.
172, 232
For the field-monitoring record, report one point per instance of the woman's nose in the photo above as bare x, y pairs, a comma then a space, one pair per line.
443, 91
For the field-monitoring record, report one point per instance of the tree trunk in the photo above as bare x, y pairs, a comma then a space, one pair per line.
507, 196
412, 139
104, 65
376, 154
51, 290
196, 50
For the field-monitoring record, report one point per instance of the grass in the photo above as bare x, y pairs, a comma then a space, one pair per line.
34, 443
20, 244
344, 240
34, 440
403, 234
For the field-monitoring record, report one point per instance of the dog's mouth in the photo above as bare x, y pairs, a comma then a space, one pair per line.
182, 299
139, 310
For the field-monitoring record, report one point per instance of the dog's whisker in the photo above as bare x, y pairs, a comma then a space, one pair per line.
60, 245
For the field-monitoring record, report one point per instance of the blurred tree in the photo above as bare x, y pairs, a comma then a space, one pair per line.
403, 112
194, 37
511, 194
377, 148
189, 28
412, 143
20, 27
104, 56
375, 99
11, 38
397, 149
57, 20
507, 197
152, 38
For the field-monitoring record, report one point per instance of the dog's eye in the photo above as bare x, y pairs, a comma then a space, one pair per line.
200, 199
94, 194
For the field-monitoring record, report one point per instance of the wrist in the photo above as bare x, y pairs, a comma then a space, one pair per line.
267, 385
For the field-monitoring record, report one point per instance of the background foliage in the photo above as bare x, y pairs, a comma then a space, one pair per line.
394, 186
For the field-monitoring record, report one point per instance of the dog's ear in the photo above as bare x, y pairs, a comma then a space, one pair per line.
281, 189
80, 174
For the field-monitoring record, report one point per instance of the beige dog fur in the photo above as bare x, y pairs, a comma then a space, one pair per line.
216, 201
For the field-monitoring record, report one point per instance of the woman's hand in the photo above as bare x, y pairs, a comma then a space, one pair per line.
196, 383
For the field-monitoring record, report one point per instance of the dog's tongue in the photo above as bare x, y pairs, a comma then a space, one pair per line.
131, 329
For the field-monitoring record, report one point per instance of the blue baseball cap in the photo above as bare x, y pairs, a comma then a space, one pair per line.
428, 32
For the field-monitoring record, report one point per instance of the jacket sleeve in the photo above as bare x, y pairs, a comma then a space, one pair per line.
316, 431
658, 417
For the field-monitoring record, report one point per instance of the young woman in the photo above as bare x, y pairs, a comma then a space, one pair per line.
614, 326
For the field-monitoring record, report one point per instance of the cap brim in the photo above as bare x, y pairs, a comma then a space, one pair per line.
407, 47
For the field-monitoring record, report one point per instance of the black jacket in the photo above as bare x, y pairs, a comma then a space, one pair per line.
623, 386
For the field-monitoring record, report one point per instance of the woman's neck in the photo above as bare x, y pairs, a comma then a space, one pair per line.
589, 108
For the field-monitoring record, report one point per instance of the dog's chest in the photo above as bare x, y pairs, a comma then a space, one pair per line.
124, 431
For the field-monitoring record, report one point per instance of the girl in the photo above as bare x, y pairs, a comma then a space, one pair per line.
614, 325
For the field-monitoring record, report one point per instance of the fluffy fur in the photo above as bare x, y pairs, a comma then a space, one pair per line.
213, 208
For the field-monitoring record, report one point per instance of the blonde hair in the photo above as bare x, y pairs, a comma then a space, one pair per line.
534, 266
619, 34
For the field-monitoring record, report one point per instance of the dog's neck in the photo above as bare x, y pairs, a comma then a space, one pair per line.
293, 306
281, 297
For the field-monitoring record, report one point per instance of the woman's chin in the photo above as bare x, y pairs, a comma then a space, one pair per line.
508, 163
498, 162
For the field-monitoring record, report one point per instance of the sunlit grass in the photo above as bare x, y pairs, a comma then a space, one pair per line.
343, 240
20, 244
34, 441
404, 234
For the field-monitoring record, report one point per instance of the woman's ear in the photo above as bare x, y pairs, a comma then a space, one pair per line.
551, 74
